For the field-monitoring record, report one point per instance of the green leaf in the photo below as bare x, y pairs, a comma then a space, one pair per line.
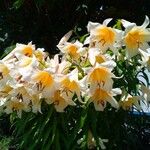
17, 4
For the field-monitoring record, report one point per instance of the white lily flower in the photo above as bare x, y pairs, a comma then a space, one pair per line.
101, 76
136, 37
5, 76
69, 85
71, 49
95, 56
128, 102
59, 102
21, 94
100, 98
21, 49
102, 37
42, 82
15, 105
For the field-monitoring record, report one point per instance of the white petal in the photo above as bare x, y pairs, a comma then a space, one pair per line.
64, 39
146, 22
87, 40
145, 55
127, 24
92, 25
109, 64
116, 91
113, 102
73, 75
99, 107
106, 21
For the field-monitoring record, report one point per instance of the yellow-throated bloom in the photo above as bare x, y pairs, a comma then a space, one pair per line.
136, 37
20, 49
4, 75
4, 94
95, 56
71, 49
15, 105
17, 100
100, 97
43, 83
130, 101
69, 86
4, 71
20, 93
100, 77
59, 102
102, 36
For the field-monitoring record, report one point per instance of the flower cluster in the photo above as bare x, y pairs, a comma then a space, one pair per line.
82, 72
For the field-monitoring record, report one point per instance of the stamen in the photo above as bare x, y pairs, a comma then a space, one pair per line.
1, 75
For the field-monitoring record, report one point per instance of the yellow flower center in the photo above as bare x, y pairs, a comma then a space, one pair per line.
99, 75
72, 51
100, 96
27, 51
3, 71
58, 100
43, 79
100, 59
127, 104
134, 38
69, 86
16, 105
5, 90
105, 35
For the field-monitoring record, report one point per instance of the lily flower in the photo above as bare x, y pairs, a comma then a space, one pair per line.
59, 102
136, 37
4, 71
71, 49
95, 56
130, 101
15, 105
101, 76
5, 77
69, 85
102, 36
43, 82
21, 49
100, 98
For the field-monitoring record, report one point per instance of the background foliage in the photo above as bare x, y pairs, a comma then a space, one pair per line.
44, 22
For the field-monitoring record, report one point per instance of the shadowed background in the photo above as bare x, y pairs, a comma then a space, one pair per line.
45, 21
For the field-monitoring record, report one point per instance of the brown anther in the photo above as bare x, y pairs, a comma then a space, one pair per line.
102, 41
19, 96
1, 75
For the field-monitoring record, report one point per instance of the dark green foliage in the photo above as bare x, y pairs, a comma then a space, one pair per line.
52, 130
